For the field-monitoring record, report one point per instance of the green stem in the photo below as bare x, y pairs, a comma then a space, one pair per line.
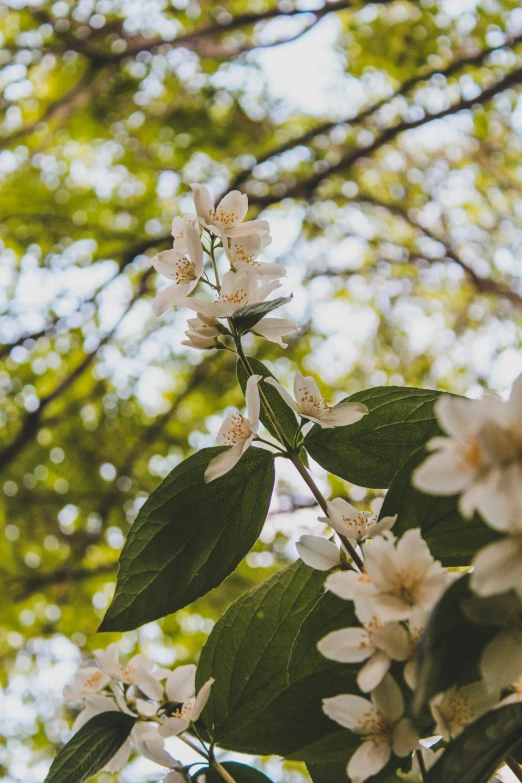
316, 492
214, 263
515, 767
211, 760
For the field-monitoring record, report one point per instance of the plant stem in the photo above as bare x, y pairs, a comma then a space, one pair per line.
211, 760
214, 264
422, 765
316, 492
221, 771
515, 767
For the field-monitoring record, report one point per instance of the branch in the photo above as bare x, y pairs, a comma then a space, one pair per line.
127, 256
197, 40
484, 285
61, 109
37, 582
32, 421
476, 59
307, 186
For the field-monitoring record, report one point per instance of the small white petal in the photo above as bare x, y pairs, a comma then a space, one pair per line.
350, 711
224, 462
373, 671
498, 567
181, 683
318, 553
388, 699
369, 759
347, 645
201, 699
344, 414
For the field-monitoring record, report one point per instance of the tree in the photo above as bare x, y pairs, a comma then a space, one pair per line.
107, 120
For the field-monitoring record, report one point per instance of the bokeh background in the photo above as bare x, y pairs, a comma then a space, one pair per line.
381, 140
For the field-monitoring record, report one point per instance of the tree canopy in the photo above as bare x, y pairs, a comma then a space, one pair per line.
395, 205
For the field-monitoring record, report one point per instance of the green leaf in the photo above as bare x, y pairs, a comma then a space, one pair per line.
285, 415
189, 536
451, 538
261, 701
240, 772
91, 748
249, 315
475, 755
449, 652
370, 452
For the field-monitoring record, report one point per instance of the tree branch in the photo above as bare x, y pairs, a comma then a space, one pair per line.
306, 187
476, 59
32, 421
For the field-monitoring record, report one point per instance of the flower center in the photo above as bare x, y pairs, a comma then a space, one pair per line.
184, 271
361, 524
94, 680
312, 404
471, 454
237, 297
238, 431
228, 219
374, 724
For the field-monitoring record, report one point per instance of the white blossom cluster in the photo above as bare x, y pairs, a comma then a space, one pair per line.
399, 583
247, 279
163, 702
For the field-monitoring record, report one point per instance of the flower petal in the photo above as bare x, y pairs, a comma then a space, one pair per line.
373, 672
201, 699
388, 699
498, 567
224, 462
344, 414
252, 398
181, 683
318, 553
203, 203
347, 645
369, 759
283, 392
170, 296
350, 711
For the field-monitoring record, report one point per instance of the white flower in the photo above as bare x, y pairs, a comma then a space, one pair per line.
497, 567
318, 553
237, 290
184, 270
376, 642
202, 332
399, 577
501, 661
180, 227
242, 253
225, 219
191, 708
416, 625
86, 682
274, 329
480, 459
310, 404
237, 432
380, 724
357, 526
150, 744
139, 671
456, 708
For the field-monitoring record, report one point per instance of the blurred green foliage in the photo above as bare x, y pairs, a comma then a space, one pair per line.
402, 237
